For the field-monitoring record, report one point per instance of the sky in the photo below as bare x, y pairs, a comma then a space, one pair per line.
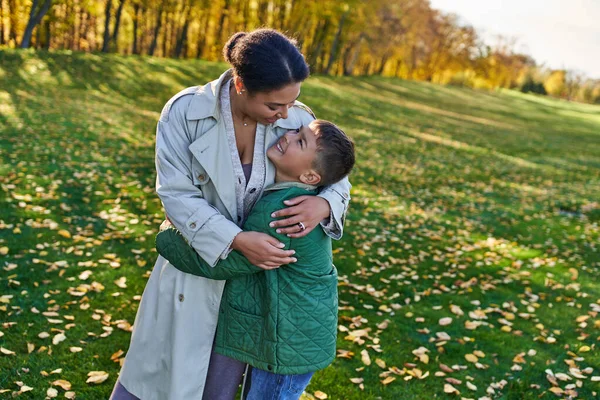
561, 34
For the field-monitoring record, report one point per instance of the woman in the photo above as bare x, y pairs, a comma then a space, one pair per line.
211, 169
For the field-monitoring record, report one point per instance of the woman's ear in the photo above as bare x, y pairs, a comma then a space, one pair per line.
311, 177
239, 85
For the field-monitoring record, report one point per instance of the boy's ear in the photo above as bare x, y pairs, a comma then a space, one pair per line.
310, 177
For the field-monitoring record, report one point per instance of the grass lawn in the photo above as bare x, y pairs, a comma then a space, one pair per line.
469, 264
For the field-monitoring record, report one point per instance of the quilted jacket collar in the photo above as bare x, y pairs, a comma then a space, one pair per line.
287, 185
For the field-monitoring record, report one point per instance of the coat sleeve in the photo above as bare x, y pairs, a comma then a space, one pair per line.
338, 197
172, 246
201, 224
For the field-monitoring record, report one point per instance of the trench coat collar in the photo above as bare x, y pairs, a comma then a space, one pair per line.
205, 103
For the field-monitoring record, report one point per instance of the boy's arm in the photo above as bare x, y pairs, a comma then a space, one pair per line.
172, 246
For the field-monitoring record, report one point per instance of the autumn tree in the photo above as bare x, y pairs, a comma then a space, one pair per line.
36, 14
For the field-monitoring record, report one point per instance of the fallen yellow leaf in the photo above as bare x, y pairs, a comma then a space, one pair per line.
366, 359
58, 338
65, 385
388, 380
97, 377
448, 388
64, 233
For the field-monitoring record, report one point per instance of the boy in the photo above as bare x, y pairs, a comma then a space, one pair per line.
283, 322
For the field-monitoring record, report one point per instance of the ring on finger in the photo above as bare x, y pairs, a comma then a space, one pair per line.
301, 225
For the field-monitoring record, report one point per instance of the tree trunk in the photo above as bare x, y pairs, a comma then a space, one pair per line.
13, 17
70, 40
85, 28
136, 17
34, 19
77, 28
202, 35
38, 38
263, 8
48, 36
245, 20
166, 30
334, 45
1, 23
281, 14
106, 41
156, 31
384, 60
398, 66
349, 65
182, 37
115, 35
94, 35
317, 45
224, 13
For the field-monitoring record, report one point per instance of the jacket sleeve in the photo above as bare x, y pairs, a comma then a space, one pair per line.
172, 246
201, 224
338, 197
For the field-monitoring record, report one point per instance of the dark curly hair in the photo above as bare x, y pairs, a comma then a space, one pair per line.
265, 60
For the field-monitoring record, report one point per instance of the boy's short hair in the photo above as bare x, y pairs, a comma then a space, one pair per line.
335, 152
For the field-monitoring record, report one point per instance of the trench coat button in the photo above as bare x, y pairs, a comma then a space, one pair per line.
193, 225
345, 195
270, 367
181, 297
201, 177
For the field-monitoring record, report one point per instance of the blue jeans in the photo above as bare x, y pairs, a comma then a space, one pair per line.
269, 386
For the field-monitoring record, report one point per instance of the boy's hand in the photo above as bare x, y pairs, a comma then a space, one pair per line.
262, 250
310, 210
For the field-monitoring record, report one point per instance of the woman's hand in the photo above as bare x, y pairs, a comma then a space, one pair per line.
309, 210
262, 250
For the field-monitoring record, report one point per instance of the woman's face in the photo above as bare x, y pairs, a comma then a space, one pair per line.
268, 107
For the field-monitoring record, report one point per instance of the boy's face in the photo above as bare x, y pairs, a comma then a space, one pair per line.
293, 156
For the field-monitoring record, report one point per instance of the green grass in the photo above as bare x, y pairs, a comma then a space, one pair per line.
486, 201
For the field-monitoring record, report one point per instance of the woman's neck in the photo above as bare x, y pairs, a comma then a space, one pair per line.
236, 108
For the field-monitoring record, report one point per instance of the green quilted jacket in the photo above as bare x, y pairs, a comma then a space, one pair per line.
283, 320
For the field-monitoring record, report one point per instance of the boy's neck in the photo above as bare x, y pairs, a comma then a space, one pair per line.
282, 179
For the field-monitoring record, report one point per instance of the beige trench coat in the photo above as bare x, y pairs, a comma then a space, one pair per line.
176, 320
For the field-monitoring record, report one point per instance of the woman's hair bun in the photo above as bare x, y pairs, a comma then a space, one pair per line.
230, 46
